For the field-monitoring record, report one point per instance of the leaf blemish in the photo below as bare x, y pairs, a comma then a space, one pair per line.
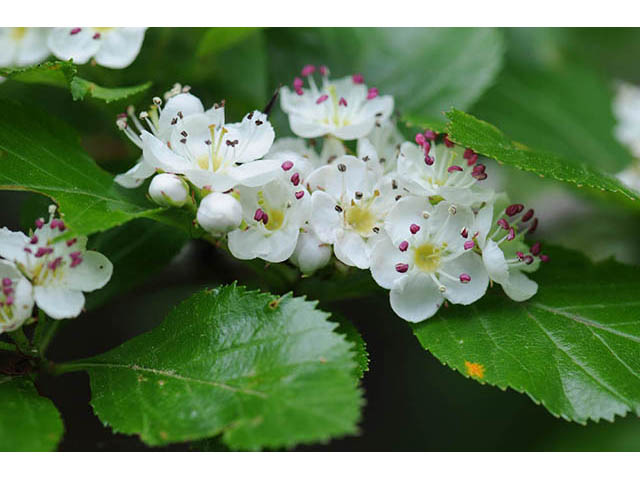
474, 369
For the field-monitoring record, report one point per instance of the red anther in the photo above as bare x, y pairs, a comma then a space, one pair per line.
544, 258
321, 99
535, 248
298, 83
448, 143
342, 102
428, 160
96, 36
323, 70
258, 215
420, 139
299, 194
33, 240
401, 267
467, 153
465, 278
287, 165
533, 227
528, 259
454, 168
75, 31
514, 209
503, 223
71, 242
357, 78
39, 223
308, 70
403, 246
473, 159
295, 179
372, 93
469, 244
511, 235
430, 135
527, 216
413, 228
464, 232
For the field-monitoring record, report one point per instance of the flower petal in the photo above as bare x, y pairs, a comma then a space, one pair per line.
415, 297
256, 174
325, 221
59, 302
185, 103
255, 136
80, 46
495, 263
136, 175
93, 273
519, 287
158, 155
384, 258
465, 293
12, 245
120, 47
351, 249
405, 212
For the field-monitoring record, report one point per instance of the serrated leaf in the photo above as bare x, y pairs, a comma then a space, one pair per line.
218, 39
488, 141
565, 110
64, 74
28, 422
42, 154
428, 70
265, 371
574, 347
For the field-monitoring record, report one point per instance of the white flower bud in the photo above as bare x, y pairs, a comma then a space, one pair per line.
169, 190
310, 253
219, 213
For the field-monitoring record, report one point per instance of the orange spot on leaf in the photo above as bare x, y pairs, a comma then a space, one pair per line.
474, 369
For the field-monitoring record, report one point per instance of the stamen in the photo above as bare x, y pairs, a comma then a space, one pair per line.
71, 242
430, 135
404, 245
535, 248
308, 70
533, 226
96, 36
428, 160
514, 209
75, 31
7, 282
414, 228
372, 93
258, 215
323, 70
321, 99
503, 223
299, 194
342, 102
402, 267
464, 232
33, 240
544, 258
469, 244
338, 208
511, 235
295, 179
467, 153
465, 278
287, 165
342, 167
357, 78
39, 222
528, 259
527, 216
448, 143
42, 251
454, 168
420, 139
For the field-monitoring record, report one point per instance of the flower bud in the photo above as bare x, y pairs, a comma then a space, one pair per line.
310, 253
169, 190
219, 213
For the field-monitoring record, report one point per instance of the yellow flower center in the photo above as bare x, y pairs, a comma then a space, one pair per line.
103, 29
427, 257
276, 219
360, 219
18, 33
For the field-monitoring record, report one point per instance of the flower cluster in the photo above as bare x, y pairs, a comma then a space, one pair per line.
109, 47
47, 269
416, 213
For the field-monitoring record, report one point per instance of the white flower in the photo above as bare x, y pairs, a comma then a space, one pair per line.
273, 215
349, 208
214, 155
23, 46
110, 47
16, 297
332, 148
345, 108
499, 233
382, 146
626, 108
442, 170
423, 260
59, 270
169, 190
311, 253
160, 122
630, 176
219, 213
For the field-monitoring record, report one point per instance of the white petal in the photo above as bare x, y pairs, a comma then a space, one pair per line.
80, 46
186, 104
255, 136
33, 47
217, 182
405, 212
495, 263
332, 148
8, 48
341, 184
325, 220
305, 128
356, 130
158, 155
12, 245
136, 175
256, 174
246, 244
93, 273
216, 115
384, 258
415, 297
351, 249
465, 293
310, 253
59, 302
120, 47
519, 287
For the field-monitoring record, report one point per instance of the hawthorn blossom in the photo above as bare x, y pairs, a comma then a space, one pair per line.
169, 190
332, 148
498, 233
273, 215
344, 108
160, 121
23, 46
16, 297
382, 147
219, 213
110, 47
423, 261
59, 270
349, 208
442, 171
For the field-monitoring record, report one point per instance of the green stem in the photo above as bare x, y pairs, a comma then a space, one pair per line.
60, 368
21, 341
47, 329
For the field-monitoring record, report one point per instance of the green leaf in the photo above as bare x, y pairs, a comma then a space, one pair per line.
28, 422
81, 87
565, 110
265, 371
360, 347
428, 70
42, 154
64, 74
487, 140
574, 347
220, 38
